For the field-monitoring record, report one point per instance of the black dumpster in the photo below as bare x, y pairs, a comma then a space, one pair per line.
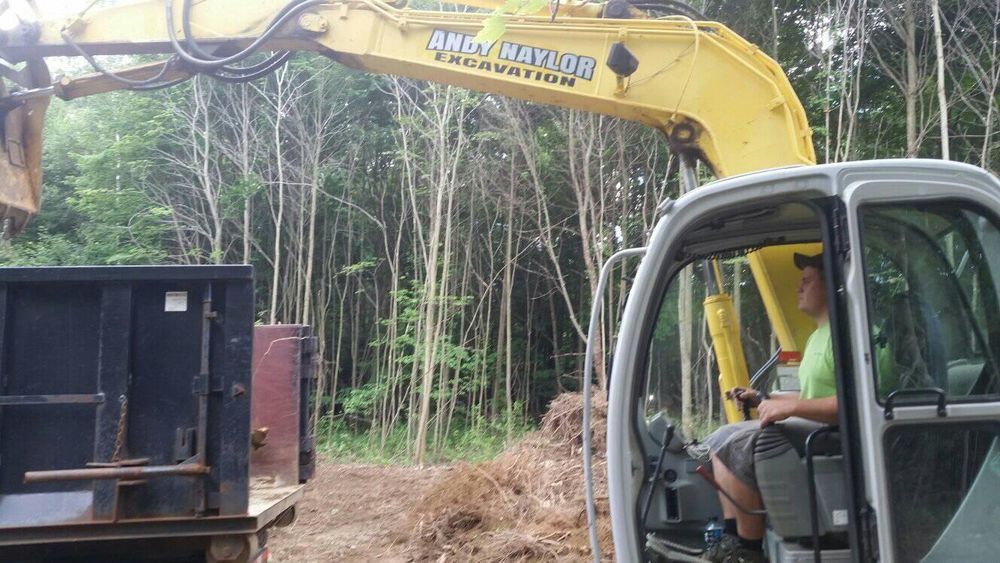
124, 393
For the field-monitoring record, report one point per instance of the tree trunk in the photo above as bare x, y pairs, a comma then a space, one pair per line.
280, 164
685, 321
911, 90
942, 98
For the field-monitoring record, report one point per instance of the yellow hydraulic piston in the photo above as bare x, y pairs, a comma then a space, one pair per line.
724, 328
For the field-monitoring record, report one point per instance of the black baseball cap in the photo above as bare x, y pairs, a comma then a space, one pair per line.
803, 261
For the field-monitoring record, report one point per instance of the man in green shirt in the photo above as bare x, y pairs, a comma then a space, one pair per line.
732, 446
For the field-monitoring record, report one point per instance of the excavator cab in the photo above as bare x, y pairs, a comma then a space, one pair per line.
911, 253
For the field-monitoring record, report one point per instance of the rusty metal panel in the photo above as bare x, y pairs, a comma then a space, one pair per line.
276, 408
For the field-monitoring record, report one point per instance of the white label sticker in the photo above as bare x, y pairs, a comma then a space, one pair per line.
176, 301
839, 517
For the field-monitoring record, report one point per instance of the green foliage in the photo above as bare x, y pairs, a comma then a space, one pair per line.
362, 266
360, 402
96, 208
116, 227
409, 300
234, 196
495, 25
123, 226
44, 249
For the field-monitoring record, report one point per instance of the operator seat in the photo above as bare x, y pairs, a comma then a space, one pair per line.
782, 478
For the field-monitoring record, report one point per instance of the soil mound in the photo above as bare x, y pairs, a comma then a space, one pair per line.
528, 503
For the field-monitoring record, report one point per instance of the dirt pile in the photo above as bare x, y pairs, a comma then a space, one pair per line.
527, 504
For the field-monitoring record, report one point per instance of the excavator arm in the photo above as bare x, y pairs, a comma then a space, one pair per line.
707, 89
712, 94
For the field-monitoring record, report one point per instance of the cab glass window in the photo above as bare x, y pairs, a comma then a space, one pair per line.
942, 494
932, 273
682, 377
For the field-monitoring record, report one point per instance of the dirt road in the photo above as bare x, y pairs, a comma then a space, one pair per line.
354, 513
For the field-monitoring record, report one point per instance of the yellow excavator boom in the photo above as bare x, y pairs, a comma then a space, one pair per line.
708, 89
710, 92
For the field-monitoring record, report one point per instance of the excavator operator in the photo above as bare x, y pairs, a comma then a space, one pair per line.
732, 446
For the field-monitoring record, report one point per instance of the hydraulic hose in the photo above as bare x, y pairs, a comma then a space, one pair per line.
206, 65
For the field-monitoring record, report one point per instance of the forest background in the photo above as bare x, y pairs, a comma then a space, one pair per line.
445, 244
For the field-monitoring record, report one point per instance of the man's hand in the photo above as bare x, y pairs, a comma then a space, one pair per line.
771, 411
741, 396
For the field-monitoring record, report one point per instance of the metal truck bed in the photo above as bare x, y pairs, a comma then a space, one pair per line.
266, 505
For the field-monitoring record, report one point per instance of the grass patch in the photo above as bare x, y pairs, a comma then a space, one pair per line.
338, 442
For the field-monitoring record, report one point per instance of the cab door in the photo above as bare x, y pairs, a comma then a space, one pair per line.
922, 276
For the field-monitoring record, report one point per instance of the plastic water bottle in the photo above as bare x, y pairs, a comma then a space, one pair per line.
713, 531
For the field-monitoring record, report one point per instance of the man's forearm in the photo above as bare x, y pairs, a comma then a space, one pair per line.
820, 410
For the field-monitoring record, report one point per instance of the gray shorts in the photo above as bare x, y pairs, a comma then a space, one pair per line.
733, 445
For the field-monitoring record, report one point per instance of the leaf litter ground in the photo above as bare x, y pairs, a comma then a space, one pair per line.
527, 504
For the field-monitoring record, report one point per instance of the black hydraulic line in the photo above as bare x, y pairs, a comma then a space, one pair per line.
269, 62
151, 81
813, 501
671, 7
192, 43
233, 74
272, 64
209, 64
161, 85
223, 72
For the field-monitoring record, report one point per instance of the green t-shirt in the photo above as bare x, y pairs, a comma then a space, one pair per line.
816, 379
